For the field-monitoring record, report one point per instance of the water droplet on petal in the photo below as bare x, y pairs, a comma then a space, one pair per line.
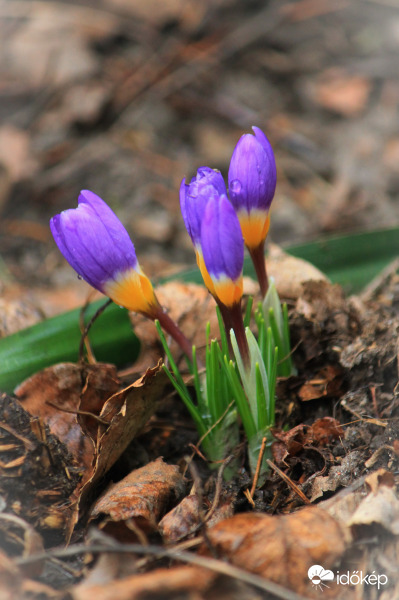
235, 186
80, 277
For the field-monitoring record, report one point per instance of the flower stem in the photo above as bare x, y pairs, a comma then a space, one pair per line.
173, 329
237, 324
258, 258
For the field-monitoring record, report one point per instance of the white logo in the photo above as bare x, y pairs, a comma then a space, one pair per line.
318, 576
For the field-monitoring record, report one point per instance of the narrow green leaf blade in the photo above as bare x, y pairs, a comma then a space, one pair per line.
57, 340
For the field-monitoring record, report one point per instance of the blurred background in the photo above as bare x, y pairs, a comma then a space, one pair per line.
126, 97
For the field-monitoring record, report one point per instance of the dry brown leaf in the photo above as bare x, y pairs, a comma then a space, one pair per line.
142, 496
126, 412
381, 505
182, 520
326, 382
325, 430
339, 476
281, 548
54, 395
179, 582
97, 444
185, 518
289, 273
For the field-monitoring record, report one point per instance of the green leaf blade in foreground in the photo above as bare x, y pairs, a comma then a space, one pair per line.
57, 340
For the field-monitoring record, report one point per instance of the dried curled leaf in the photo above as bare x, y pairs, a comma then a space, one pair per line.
381, 505
143, 496
281, 548
126, 413
55, 395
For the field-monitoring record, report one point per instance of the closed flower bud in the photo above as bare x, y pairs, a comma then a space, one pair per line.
98, 247
194, 197
252, 183
223, 250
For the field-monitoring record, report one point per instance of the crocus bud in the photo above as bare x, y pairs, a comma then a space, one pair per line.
252, 184
223, 250
98, 247
194, 196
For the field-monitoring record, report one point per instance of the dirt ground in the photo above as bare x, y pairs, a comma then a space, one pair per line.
126, 98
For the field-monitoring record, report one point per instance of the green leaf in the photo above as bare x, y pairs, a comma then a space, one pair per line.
351, 260
57, 340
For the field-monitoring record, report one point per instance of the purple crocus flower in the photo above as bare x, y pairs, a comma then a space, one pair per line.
98, 247
194, 196
223, 250
252, 184
216, 234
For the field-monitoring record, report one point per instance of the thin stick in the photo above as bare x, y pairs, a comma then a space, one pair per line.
289, 482
212, 564
88, 326
84, 413
258, 466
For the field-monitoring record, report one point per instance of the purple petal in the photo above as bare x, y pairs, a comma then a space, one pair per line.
266, 145
221, 240
93, 240
194, 197
252, 173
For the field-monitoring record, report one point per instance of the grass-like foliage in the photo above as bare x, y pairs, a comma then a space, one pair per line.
227, 387
213, 409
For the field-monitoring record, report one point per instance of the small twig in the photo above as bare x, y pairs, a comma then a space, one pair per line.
218, 566
87, 328
258, 466
372, 389
85, 413
248, 496
289, 482
197, 451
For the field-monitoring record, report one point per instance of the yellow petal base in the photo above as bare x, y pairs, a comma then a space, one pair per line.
254, 226
229, 292
226, 290
204, 272
133, 290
